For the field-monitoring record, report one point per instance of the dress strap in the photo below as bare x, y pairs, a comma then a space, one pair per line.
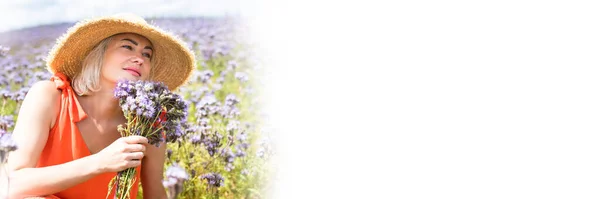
68, 96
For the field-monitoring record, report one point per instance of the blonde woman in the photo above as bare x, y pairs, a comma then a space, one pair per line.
69, 146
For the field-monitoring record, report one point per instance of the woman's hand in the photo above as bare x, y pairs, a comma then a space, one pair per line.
123, 153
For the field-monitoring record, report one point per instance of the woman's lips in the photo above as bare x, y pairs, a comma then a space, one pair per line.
133, 72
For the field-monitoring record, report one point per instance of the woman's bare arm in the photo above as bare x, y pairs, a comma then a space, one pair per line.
152, 171
36, 116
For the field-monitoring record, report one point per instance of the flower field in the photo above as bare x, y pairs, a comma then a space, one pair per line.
225, 150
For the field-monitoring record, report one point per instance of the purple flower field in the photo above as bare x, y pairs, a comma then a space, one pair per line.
224, 152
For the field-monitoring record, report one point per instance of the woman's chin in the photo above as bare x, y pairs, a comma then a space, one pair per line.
125, 77
131, 77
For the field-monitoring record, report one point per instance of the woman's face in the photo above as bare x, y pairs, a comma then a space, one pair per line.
127, 56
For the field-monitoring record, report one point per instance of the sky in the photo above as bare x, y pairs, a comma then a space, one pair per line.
27, 13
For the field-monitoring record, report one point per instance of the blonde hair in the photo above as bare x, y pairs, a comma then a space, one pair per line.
88, 79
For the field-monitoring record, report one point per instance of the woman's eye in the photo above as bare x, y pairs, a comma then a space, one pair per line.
147, 55
128, 47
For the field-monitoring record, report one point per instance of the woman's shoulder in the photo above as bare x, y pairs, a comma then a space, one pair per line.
43, 96
45, 88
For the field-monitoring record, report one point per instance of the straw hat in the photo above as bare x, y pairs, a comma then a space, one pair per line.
173, 61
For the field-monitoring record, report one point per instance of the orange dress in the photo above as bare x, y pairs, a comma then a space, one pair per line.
66, 144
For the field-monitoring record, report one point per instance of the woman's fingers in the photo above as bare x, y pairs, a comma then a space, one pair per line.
135, 148
133, 163
135, 139
135, 156
134, 159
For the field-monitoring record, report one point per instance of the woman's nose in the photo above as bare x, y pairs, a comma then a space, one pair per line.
138, 59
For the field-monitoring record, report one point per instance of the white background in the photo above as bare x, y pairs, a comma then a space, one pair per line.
435, 99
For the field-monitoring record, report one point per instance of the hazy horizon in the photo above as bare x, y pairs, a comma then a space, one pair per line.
32, 13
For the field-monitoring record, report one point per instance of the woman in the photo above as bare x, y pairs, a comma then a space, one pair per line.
69, 146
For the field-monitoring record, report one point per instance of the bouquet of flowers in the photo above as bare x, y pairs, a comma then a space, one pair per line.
151, 111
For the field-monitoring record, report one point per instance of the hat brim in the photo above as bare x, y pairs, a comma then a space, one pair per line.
173, 61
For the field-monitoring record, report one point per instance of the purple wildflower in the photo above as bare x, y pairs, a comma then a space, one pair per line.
205, 76
169, 153
265, 148
213, 179
229, 112
229, 157
245, 172
175, 177
196, 139
232, 65
190, 129
204, 121
20, 95
232, 125
229, 167
207, 100
212, 142
5, 94
220, 80
231, 100
7, 144
205, 128
169, 182
18, 79
243, 145
177, 172
4, 51
6, 122
242, 77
